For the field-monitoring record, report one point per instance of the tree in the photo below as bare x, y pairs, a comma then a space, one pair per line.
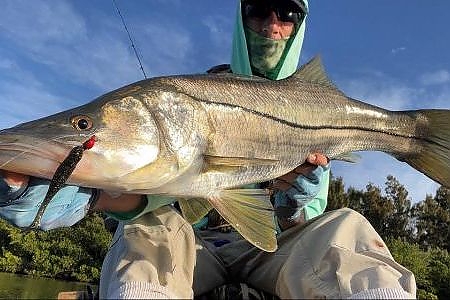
376, 209
68, 253
337, 197
398, 223
432, 218
355, 199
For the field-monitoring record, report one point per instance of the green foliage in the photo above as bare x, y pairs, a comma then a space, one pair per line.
67, 253
9, 262
398, 223
431, 268
389, 213
432, 218
337, 197
440, 272
414, 259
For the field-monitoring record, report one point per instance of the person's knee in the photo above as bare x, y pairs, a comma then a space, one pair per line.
174, 221
350, 219
166, 215
349, 213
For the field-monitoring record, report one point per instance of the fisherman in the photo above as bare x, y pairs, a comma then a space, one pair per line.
155, 253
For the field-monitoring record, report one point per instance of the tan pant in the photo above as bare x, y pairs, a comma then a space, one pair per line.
334, 256
157, 248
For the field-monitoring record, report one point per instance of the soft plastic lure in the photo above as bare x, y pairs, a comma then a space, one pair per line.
60, 177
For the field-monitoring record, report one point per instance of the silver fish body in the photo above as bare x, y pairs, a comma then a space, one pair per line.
204, 136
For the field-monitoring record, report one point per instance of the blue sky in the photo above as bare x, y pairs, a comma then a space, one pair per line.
55, 55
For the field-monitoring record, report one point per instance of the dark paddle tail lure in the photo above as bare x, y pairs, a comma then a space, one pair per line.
60, 177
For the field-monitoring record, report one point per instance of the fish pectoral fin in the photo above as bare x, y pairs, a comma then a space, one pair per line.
195, 209
250, 212
350, 157
212, 161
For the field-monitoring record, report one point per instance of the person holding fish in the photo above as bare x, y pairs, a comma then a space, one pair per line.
156, 253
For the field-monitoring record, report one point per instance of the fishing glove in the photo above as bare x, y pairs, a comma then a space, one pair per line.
19, 204
308, 192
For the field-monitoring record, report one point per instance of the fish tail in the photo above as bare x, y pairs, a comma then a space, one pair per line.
434, 158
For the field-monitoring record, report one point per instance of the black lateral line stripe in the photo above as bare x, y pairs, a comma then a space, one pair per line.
295, 125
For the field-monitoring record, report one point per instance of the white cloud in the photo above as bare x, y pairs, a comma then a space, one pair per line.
103, 62
437, 77
25, 103
6, 64
168, 47
215, 27
23, 95
11, 71
440, 98
53, 34
386, 94
220, 36
397, 50
54, 37
35, 24
381, 89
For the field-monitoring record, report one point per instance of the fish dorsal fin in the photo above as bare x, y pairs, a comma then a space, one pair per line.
194, 210
250, 212
314, 72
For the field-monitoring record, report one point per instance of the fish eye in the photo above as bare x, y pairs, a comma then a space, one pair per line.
82, 122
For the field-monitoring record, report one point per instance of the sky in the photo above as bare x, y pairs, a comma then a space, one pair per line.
55, 55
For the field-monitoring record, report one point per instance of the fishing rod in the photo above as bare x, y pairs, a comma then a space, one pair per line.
130, 38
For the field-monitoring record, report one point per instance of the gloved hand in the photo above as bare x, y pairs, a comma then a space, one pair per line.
296, 193
16, 185
19, 204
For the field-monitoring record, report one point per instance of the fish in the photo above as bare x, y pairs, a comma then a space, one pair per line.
201, 138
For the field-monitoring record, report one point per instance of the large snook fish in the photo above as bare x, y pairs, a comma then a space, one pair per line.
200, 137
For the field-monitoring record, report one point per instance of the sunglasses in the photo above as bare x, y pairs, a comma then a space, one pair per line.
284, 10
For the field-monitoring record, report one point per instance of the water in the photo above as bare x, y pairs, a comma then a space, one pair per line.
25, 287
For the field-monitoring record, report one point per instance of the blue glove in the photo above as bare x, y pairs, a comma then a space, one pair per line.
19, 205
305, 191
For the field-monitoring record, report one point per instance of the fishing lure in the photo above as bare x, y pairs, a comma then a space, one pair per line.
60, 177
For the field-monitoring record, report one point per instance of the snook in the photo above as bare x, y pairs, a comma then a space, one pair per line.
201, 137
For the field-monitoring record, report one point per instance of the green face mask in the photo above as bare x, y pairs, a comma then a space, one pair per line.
264, 53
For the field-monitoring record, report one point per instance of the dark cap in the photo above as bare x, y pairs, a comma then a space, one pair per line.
300, 4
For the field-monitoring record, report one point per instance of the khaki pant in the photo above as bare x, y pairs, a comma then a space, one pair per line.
334, 256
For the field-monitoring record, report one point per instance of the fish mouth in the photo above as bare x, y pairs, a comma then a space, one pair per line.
32, 156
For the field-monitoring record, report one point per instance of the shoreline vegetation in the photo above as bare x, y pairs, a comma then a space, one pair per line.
418, 236
17, 286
